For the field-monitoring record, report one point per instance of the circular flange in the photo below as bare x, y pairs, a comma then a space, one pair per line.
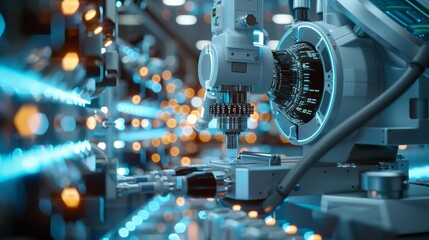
383, 184
324, 44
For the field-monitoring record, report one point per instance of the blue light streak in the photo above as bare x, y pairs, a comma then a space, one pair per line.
154, 206
269, 217
308, 234
137, 220
29, 84
2, 25
418, 173
123, 232
144, 214
129, 52
137, 110
120, 124
173, 236
180, 227
142, 134
20, 163
285, 225
164, 198
131, 226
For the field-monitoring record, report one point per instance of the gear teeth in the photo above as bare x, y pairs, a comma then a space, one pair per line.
239, 110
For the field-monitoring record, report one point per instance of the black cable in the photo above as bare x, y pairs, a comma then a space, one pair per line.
417, 66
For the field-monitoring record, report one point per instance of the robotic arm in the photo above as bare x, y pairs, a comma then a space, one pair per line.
235, 63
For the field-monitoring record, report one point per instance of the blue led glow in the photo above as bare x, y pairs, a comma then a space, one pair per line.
120, 124
285, 225
131, 226
180, 97
129, 52
2, 25
142, 135
268, 218
258, 38
149, 84
154, 206
136, 77
123, 232
173, 236
144, 214
156, 87
137, 220
202, 215
106, 239
121, 171
118, 144
137, 110
418, 172
28, 84
20, 163
308, 234
180, 227
118, 4
164, 198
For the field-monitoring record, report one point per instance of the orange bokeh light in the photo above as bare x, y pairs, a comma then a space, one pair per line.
70, 197
144, 71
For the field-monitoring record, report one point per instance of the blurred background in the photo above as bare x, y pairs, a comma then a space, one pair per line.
95, 89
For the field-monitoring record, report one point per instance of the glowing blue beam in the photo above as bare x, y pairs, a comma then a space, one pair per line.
142, 215
20, 163
132, 136
182, 225
137, 110
2, 25
418, 172
29, 84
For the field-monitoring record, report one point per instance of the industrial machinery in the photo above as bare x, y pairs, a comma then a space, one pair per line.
348, 85
349, 88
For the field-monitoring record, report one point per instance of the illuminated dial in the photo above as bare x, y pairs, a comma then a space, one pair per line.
298, 82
